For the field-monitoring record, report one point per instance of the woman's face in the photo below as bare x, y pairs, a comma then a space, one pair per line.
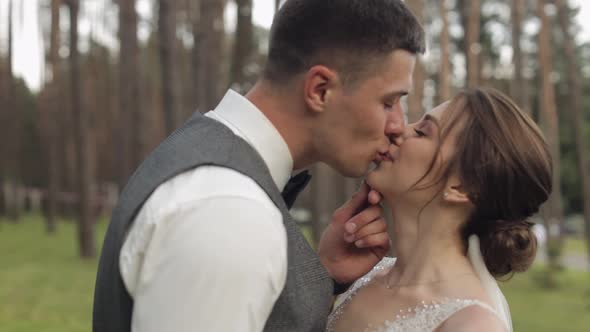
401, 177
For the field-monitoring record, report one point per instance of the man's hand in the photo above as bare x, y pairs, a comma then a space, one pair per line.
356, 238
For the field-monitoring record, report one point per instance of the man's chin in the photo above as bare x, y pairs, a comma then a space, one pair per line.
372, 166
355, 172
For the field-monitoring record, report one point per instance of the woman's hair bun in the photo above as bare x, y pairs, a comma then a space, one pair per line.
508, 246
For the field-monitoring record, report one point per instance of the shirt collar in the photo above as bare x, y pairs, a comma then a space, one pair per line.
249, 123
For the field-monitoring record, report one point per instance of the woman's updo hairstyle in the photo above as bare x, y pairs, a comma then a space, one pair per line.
505, 167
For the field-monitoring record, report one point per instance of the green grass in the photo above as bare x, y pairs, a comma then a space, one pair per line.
45, 287
564, 309
575, 245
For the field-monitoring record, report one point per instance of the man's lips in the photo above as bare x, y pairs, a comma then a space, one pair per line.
383, 157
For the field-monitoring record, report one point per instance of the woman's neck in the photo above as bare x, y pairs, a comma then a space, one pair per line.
428, 246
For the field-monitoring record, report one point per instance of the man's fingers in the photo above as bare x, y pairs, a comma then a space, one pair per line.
375, 227
374, 197
359, 199
363, 218
355, 204
380, 240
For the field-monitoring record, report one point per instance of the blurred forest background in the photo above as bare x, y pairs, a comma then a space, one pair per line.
118, 76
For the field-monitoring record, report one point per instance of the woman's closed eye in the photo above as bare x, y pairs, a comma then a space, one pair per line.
420, 133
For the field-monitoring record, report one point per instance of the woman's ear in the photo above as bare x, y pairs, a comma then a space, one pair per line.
319, 83
455, 193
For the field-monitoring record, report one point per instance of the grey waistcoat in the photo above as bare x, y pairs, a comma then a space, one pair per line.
305, 301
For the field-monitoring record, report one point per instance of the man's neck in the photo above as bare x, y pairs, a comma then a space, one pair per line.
287, 113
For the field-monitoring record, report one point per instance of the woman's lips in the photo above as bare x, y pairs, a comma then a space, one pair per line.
384, 157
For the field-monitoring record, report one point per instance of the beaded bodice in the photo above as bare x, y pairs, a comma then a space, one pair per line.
426, 316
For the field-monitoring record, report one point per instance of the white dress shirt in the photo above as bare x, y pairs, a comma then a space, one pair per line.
208, 249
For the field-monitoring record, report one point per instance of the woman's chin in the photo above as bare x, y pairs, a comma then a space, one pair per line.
379, 177
372, 179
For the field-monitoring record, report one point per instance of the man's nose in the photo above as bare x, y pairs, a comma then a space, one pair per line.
395, 127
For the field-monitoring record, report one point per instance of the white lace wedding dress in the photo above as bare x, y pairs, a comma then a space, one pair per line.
428, 316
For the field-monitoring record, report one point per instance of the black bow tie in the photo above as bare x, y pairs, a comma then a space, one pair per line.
295, 185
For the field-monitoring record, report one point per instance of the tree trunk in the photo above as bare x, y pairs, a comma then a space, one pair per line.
519, 85
51, 121
444, 78
84, 183
243, 46
131, 146
3, 140
7, 196
576, 114
472, 45
168, 55
195, 17
211, 52
553, 209
14, 133
416, 97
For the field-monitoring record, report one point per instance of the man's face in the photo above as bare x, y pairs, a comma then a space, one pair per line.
362, 121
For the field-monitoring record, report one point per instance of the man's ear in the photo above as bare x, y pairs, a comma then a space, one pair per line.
319, 84
455, 193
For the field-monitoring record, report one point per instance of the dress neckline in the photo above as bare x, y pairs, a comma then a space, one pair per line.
446, 305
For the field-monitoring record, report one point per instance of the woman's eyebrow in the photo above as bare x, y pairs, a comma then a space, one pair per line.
431, 118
